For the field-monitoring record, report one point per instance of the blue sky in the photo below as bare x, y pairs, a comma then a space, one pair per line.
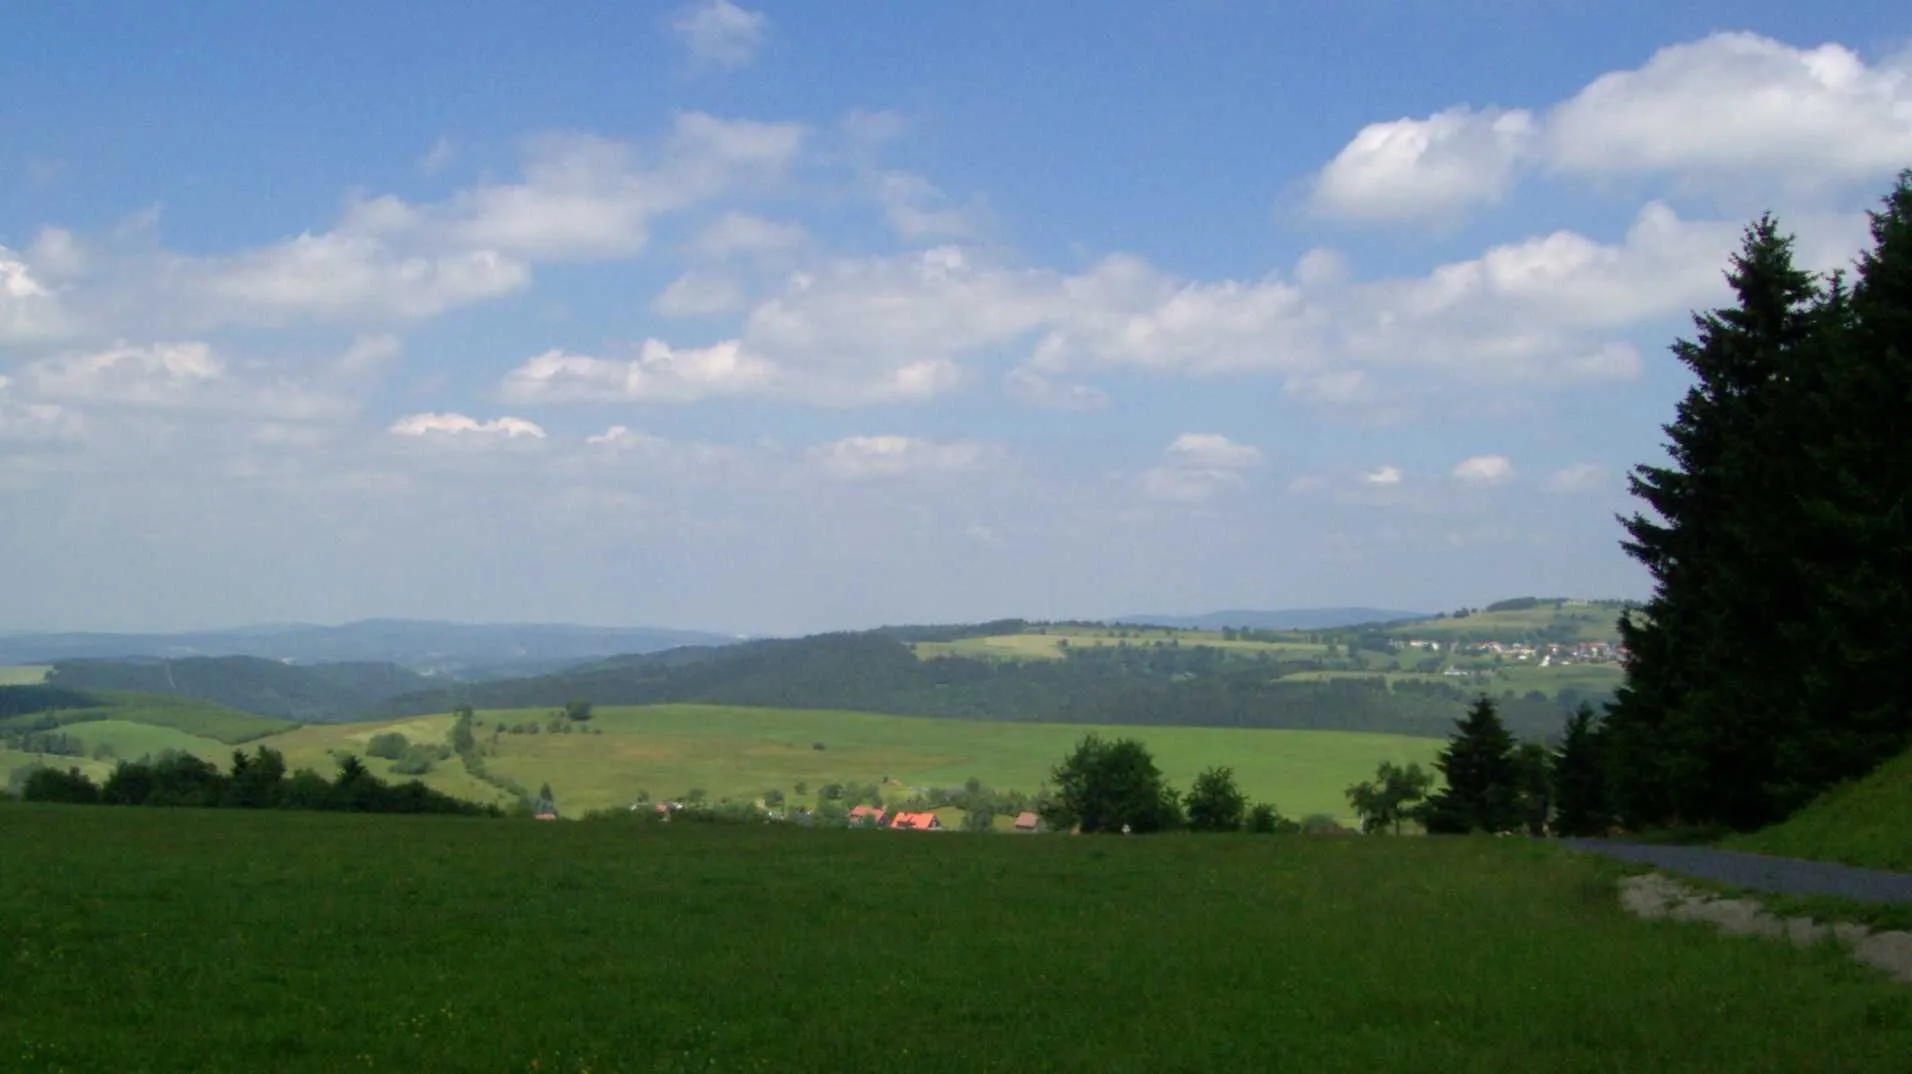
780, 317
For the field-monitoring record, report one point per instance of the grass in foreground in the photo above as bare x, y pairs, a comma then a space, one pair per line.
152, 940
1866, 822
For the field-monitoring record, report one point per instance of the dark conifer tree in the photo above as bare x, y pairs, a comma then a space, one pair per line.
1482, 775
1580, 777
1854, 500
1691, 742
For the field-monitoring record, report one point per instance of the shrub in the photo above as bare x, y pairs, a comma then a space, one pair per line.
390, 746
53, 785
1321, 824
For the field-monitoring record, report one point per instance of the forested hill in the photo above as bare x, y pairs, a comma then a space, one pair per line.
1193, 685
318, 692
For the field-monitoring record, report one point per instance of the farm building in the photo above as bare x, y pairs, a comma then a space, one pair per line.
918, 822
1027, 822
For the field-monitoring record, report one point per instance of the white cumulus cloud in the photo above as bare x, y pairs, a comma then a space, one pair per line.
455, 425
1484, 470
739, 232
721, 33
29, 311
857, 457
699, 294
1197, 467
1576, 478
1419, 168
658, 373
1734, 104
1732, 110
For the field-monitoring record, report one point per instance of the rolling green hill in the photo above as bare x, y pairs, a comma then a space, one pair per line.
95, 729
734, 752
740, 753
249, 683
25, 709
1075, 674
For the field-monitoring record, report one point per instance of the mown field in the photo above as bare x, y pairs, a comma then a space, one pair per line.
666, 750
740, 753
23, 674
158, 941
1052, 644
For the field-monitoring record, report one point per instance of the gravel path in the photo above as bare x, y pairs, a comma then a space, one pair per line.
1783, 876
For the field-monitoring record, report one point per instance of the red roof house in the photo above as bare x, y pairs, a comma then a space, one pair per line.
919, 822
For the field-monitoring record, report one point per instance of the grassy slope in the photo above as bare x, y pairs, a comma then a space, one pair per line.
132, 739
135, 725
23, 674
254, 941
316, 746
1048, 645
1589, 623
741, 752
194, 717
1865, 822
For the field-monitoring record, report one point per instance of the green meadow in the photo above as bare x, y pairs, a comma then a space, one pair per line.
23, 674
151, 940
1051, 644
739, 753
666, 750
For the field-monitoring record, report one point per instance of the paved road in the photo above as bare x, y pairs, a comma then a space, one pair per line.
1784, 876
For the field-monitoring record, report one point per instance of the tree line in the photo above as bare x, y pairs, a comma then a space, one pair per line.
1772, 661
256, 780
876, 672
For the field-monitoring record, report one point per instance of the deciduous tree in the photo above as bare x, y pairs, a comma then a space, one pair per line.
1215, 803
1109, 786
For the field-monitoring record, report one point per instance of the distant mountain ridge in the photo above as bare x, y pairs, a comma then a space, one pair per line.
1285, 619
429, 647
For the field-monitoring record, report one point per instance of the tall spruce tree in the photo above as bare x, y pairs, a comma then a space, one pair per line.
1482, 775
1854, 499
1580, 777
1693, 727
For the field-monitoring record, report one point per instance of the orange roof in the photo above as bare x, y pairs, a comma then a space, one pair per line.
1027, 820
918, 821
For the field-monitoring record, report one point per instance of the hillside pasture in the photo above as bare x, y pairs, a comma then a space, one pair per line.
1587, 622
1050, 645
325, 942
202, 719
739, 753
23, 674
319, 746
130, 740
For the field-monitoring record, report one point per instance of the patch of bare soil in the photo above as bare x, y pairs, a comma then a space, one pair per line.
1655, 896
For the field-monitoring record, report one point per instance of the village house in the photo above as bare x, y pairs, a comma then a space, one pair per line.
918, 822
867, 816
1027, 821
